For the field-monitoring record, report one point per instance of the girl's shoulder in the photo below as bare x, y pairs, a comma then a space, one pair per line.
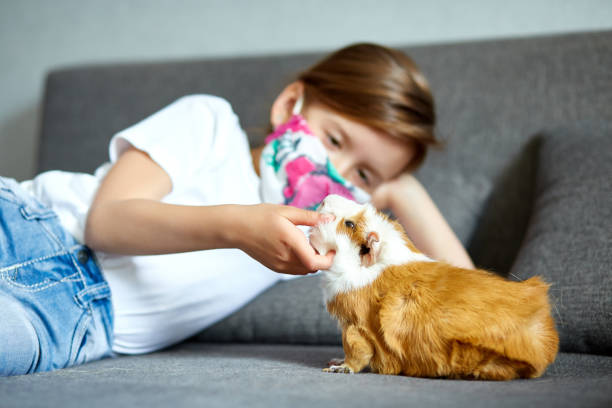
216, 104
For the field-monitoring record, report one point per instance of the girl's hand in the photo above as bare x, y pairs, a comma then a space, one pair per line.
268, 233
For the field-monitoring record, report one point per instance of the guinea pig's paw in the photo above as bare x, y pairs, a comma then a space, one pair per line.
342, 368
335, 361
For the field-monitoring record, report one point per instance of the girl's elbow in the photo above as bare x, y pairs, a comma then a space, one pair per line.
91, 234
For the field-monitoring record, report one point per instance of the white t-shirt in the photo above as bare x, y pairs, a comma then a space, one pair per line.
159, 300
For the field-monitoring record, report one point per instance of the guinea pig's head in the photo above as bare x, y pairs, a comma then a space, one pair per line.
364, 239
346, 234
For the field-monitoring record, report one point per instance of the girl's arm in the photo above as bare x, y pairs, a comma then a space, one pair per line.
127, 217
422, 220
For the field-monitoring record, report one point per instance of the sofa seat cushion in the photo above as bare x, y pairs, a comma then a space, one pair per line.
233, 375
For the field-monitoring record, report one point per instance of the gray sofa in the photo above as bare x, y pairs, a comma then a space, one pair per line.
525, 179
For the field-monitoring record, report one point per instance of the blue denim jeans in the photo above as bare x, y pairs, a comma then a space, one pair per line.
55, 306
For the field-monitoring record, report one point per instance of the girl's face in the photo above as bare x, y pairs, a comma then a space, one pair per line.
364, 156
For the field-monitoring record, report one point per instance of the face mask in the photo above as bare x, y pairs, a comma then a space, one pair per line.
295, 168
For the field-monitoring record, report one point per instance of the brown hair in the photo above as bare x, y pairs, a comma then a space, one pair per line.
379, 87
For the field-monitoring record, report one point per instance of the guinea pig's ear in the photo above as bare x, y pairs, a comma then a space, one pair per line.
370, 249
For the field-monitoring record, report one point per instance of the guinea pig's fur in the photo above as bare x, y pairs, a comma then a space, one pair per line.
404, 313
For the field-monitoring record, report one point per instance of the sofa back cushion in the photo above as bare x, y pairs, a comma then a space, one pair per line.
569, 238
491, 96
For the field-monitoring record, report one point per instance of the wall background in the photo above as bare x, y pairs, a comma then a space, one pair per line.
38, 35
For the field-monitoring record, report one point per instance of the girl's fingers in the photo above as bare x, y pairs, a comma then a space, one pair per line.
327, 261
308, 256
300, 216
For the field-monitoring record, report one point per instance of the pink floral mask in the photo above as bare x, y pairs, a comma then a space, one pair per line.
295, 168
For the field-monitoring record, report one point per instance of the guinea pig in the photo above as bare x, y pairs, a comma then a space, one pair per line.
402, 312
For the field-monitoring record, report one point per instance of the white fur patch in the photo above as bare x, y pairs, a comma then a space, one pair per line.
346, 272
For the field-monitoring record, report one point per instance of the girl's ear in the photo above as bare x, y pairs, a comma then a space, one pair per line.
370, 250
284, 102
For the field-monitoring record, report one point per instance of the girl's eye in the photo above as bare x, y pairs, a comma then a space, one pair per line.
363, 176
333, 140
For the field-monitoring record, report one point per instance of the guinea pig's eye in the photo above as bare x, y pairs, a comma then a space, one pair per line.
350, 224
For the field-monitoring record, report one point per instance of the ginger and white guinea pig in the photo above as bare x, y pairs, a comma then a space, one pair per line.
402, 312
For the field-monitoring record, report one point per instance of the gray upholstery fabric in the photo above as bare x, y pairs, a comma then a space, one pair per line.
254, 375
569, 240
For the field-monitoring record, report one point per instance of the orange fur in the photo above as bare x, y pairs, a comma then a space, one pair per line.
431, 319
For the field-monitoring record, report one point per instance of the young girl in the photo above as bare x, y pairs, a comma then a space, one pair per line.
186, 223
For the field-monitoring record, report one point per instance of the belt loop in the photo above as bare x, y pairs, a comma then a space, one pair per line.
93, 292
